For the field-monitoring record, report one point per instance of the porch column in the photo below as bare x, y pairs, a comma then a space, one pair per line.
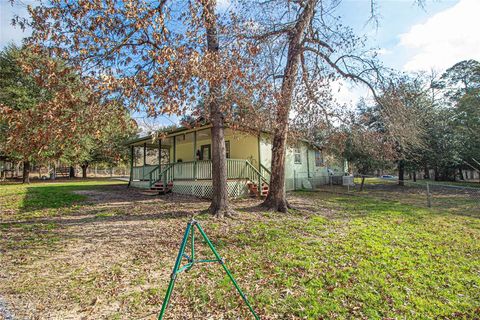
174, 148
195, 155
259, 158
132, 154
144, 159
174, 154
160, 153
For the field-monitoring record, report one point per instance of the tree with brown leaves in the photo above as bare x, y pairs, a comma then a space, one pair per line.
161, 57
306, 47
45, 108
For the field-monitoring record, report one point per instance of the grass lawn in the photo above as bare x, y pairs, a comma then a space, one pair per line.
97, 251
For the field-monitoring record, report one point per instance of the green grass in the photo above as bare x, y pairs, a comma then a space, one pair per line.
419, 182
378, 259
349, 257
44, 198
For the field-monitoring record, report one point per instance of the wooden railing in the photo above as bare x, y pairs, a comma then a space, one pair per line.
161, 173
142, 173
202, 169
254, 175
264, 171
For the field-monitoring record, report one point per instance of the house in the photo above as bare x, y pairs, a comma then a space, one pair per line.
181, 162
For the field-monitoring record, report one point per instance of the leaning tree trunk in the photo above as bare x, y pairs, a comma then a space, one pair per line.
219, 205
276, 198
84, 170
401, 172
26, 172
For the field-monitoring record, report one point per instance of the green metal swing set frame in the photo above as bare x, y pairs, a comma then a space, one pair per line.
191, 261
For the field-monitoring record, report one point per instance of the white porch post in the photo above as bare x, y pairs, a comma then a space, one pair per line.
195, 155
144, 159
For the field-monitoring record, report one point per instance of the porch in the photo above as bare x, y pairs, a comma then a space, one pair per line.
195, 178
180, 161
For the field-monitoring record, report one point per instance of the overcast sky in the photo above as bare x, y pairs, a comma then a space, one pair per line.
408, 37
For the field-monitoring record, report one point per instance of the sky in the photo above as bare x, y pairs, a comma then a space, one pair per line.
408, 37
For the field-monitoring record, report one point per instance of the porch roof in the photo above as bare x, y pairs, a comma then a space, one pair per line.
170, 133
166, 135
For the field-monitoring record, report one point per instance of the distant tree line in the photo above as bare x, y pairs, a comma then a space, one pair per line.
48, 113
420, 123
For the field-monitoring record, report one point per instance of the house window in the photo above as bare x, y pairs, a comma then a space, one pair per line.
227, 149
318, 159
205, 153
297, 155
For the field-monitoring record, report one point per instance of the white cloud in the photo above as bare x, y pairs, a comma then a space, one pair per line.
347, 93
383, 51
445, 38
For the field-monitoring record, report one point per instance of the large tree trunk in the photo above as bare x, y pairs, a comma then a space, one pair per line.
84, 170
401, 172
219, 205
276, 198
71, 173
26, 172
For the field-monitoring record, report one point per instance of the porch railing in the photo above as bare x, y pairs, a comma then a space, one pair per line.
264, 171
161, 173
142, 173
236, 169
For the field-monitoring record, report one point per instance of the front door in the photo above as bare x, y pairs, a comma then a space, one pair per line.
205, 152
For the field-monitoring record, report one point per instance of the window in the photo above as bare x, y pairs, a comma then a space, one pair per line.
297, 155
205, 153
227, 149
318, 159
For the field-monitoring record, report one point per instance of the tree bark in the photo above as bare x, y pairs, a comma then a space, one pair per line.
219, 206
276, 199
26, 172
415, 176
84, 170
401, 172
426, 172
71, 173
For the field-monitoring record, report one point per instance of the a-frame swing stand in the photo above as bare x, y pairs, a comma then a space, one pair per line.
191, 261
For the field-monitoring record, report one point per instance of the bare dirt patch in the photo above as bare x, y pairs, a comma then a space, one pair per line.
110, 258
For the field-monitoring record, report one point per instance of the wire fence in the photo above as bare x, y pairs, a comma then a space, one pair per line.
62, 172
458, 197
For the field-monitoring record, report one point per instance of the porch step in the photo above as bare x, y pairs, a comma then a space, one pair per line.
159, 187
150, 192
254, 192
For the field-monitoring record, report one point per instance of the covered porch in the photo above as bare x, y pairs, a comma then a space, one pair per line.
182, 160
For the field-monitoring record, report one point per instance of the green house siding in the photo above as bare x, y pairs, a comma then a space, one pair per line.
184, 144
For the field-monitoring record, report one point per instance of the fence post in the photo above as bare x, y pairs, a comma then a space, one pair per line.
429, 199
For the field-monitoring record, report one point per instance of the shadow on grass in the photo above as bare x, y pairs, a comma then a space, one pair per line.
58, 195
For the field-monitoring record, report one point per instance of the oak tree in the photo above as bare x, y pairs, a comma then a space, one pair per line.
161, 57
